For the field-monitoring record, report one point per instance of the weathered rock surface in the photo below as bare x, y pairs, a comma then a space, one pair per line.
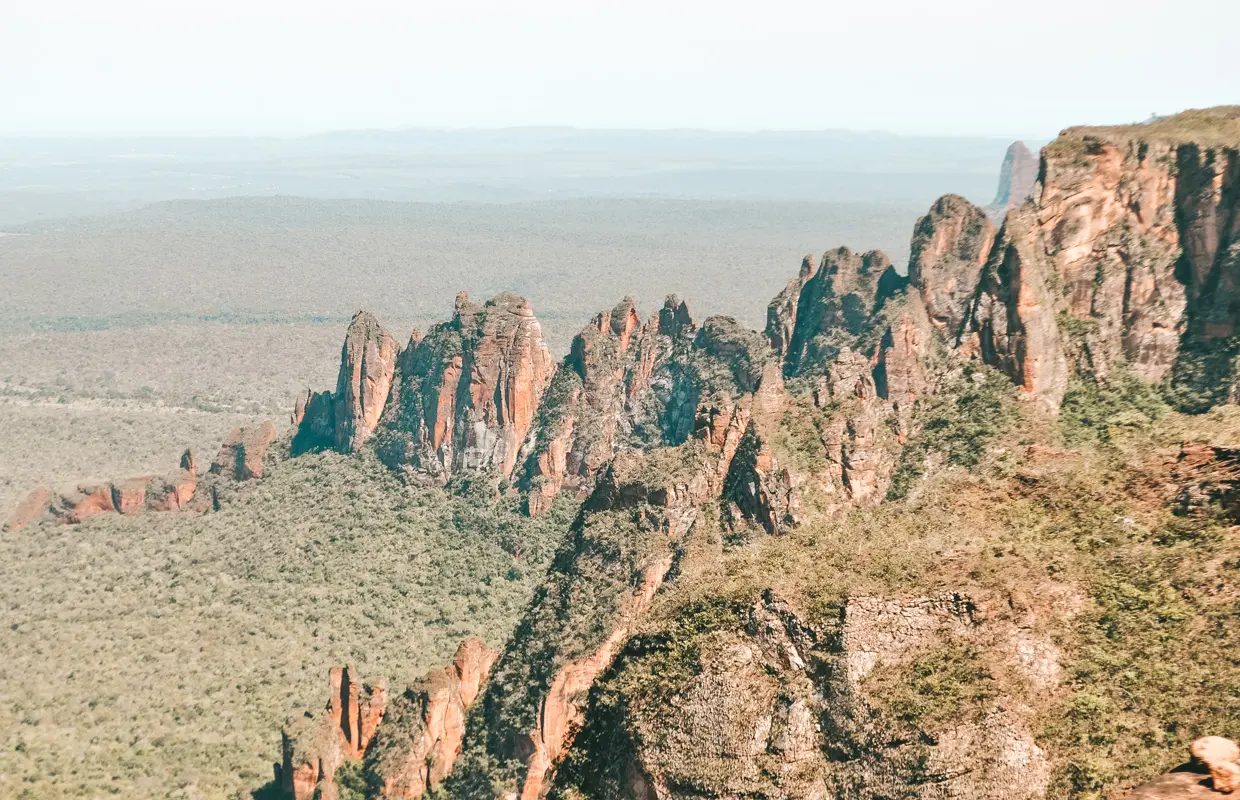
836, 302
424, 729
781, 314
619, 551
586, 414
29, 509
468, 393
1015, 313
242, 455
1214, 771
776, 707
1018, 177
367, 364
127, 496
315, 746
174, 491
950, 246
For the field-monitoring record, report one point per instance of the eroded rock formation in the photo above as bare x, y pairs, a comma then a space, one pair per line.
243, 453
367, 364
424, 730
468, 392
127, 496
315, 746
1018, 176
950, 246
777, 707
1213, 771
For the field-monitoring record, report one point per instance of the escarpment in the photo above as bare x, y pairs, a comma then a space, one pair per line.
776, 705
407, 743
595, 399
854, 555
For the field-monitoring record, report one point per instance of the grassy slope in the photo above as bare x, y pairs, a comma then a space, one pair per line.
1059, 521
157, 656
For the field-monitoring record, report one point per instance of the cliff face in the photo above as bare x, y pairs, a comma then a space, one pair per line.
408, 743
835, 301
776, 706
589, 410
687, 443
128, 496
367, 364
1018, 177
468, 391
949, 250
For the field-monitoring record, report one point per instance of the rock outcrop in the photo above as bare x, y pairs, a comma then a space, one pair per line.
367, 364
424, 729
587, 413
836, 302
126, 496
244, 452
1214, 771
468, 392
315, 746
1014, 316
621, 548
1018, 176
949, 250
29, 509
773, 706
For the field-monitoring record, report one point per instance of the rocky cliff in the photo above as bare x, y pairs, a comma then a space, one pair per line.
1018, 177
128, 496
465, 395
855, 555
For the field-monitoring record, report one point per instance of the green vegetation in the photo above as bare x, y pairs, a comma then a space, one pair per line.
947, 685
959, 425
1103, 409
158, 655
1213, 127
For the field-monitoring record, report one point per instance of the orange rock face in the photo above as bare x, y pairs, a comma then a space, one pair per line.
84, 503
608, 368
241, 457
29, 509
562, 709
129, 496
314, 747
1015, 315
367, 364
469, 391
174, 491
425, 730
781, 314
950, 246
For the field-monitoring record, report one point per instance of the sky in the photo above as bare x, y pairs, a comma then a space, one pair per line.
293, 67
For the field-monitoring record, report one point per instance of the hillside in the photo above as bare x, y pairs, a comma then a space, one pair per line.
965, 529
157, 655
944, 535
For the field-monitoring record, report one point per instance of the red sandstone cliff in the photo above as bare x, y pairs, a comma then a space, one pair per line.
468, 392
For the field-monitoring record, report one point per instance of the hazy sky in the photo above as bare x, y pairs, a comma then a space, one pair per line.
910, 66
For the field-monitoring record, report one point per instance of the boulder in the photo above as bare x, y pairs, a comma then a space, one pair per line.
1222, 758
